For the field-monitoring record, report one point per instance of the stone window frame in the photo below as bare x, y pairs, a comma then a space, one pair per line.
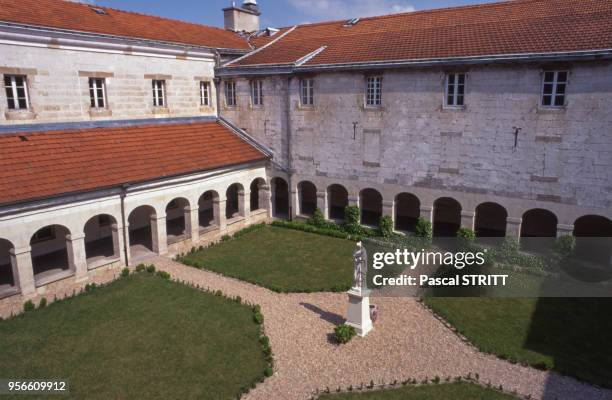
554, 95
229, 93
373, 95
159, 86
95, 84
256, 89
456, 90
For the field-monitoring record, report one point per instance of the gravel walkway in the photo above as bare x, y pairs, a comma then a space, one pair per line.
407, 342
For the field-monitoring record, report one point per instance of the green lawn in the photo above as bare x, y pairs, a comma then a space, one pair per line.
571, 336
450, 391
281, 259
141, 337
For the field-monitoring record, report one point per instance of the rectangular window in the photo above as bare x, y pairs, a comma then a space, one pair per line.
455, 90
97, 92
374, 91
307, 92
554, 86
16, 92
257, 93
230, 94
204, 93
159, 93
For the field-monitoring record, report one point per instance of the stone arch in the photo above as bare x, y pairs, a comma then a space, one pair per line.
208, 210
407, 212
280, 198
234, 204
256, 198
141, 229
101, 239
178, 219
337, 198
370, 203
490, 220
8, 273
50, 253
307, 198
594, 239
447, 217
538, 222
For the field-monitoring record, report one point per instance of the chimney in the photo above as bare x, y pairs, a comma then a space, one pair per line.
242, 19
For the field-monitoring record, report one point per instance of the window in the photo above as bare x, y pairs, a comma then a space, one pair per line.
553, 88
374, 91
455, 90
159, 93
307, 92
16, 92
230, 94
204, 93
257, 93
97, 92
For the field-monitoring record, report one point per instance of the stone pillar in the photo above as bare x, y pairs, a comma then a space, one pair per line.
427, 213
77, 259
117, 234
127, 244
513, 227
294, 205
468, 219
565, 230
219, 213
158, 233
192, 223
387, 208
23, 271
265, 200
322, 203
244, 204
353, 200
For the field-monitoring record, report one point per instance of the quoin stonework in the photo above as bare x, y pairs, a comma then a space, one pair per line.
124, 134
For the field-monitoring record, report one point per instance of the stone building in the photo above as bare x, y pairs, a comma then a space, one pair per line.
123, 133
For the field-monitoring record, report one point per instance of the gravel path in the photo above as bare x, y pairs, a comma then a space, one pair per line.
407, 342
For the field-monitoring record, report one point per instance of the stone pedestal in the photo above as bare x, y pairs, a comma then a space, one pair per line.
359, 311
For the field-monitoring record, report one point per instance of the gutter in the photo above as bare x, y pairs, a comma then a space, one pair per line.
125, 233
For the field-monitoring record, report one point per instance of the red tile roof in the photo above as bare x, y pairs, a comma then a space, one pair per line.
38, 165
513, 27
81, 17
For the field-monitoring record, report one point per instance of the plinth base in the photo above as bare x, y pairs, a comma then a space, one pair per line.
359, 312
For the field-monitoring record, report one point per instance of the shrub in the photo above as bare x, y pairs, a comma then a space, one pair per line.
264, 340
29, 306
141, 267
258, 318
125, 272
163, 274
423, 229
318, 219
351, 219
386, 226
150, 268
268, 372
42, 303
344, 333
565, 245
466, 233
225, 238
90, 286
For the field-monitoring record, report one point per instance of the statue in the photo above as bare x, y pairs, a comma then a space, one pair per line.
360, 263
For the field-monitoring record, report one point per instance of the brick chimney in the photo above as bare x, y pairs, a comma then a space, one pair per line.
242, 19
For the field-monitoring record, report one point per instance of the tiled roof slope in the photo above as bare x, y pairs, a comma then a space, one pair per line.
38, 165
513, 27
81, 17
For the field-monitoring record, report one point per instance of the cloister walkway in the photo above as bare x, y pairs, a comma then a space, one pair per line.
407, 342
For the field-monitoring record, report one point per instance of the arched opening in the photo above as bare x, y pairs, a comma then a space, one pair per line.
50, 254
140, 230
234, 198
207, 217
101, 240
447, 217
177, 219
594, 239
538, 230
7, 269
307, 195
490, 220
407, 212
256, 199
370, 202
337, 198
280, 198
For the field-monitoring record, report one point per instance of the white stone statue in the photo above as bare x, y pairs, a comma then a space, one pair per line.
360, 265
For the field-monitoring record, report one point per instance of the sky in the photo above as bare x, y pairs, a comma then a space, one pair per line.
279, 13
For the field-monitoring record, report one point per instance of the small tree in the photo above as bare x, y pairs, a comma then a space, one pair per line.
317, 219
386, 226
423, 229
344, 333
351, 219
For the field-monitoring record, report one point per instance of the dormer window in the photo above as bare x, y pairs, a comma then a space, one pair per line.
16, 92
